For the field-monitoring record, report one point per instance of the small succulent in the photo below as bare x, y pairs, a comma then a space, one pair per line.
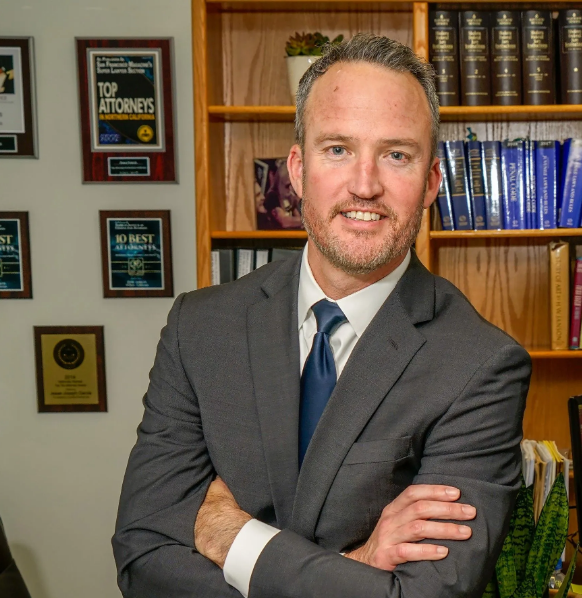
308, 44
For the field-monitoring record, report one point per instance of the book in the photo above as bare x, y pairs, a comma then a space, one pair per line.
261, 257
492, 185
531, 207
444, 54
506, 58
245, 260
576, 312
546, 165
513, 178
459, 180
444, 199
570, 36
474, 55
572, 191
476, 182
559, 294
226, 265
214, 267
564, 152
538, 58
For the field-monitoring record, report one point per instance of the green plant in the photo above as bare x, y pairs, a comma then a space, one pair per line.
530, 552
308, 44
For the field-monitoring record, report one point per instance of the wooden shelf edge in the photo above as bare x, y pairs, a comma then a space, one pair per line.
493, 234
259, 234
549, 354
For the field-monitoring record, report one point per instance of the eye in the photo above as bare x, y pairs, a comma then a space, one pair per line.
398, 156
337, 150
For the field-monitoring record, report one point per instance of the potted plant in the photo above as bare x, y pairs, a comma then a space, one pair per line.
530, 552
303, 49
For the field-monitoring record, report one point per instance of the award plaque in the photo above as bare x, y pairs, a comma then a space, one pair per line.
136, 253
17, 109
127, 116
70, 368
15, 276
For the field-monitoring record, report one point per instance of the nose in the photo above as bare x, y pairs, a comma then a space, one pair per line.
365, 180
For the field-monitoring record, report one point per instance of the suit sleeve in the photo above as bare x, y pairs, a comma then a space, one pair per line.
474, 446
165, 483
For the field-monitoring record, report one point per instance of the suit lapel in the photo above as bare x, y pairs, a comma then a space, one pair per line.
274, 356
376, 363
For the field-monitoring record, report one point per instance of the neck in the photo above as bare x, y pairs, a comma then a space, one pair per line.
336, 283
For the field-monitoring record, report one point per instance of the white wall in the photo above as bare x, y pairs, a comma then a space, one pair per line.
60, 474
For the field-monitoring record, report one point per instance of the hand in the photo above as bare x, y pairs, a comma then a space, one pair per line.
218, 522
405, 521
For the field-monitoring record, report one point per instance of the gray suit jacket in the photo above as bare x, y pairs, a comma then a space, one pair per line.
432, 393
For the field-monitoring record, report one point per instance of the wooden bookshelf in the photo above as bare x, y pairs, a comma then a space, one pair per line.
243, 111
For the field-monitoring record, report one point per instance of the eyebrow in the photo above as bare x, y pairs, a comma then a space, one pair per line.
348, 139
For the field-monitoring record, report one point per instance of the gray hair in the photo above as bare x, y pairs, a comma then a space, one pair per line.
374, 49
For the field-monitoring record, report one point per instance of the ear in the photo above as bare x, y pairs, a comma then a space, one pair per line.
295, 167
433, 183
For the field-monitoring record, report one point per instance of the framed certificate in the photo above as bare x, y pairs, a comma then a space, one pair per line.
17, 101
136, 253
15, 273
127, 115
70, 368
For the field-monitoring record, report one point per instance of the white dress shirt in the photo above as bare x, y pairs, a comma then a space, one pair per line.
359, 309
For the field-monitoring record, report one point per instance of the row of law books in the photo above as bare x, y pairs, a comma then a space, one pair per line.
230, 264
506, 57
565, 295
520, 184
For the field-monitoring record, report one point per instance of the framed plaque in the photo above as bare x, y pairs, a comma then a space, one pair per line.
17, 101
136, 253
127, 110
15, 276
70, 368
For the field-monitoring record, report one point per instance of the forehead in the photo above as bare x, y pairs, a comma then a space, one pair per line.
367, 100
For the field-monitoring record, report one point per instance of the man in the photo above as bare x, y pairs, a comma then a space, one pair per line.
255, 473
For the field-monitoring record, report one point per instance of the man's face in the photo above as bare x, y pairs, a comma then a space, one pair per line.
366, 173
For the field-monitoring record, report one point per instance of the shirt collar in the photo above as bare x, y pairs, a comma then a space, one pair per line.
360, 307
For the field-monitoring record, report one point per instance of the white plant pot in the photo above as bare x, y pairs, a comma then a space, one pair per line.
296, 67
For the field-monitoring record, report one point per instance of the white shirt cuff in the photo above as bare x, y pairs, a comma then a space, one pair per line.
244, 554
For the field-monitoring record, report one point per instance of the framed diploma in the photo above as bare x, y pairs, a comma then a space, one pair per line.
17, 101
127, 110
15, 276
70, 368
136, 253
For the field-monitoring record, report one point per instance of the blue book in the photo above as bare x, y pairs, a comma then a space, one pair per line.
444, 199
476, 182
531, 215
563, 163
513, 173
491, 160
547, 160
459, 180
572, 194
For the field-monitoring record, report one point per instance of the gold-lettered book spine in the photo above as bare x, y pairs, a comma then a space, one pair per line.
559, 294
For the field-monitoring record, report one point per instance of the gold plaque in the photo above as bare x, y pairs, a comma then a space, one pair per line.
70, 372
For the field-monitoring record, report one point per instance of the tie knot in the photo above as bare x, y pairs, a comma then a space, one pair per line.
328, 315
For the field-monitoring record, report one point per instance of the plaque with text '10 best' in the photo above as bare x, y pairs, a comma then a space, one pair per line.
15, 274
127, 110
136, 253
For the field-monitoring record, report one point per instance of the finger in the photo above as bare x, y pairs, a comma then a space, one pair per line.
418, 492
430, 530
389, 558
429, 509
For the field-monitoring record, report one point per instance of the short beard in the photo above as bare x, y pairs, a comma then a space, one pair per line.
341, 255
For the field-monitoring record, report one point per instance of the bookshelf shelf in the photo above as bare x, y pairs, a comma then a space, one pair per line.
537, 354
504, 234
448, 113
259, 234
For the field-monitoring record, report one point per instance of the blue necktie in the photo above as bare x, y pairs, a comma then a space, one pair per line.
319, 374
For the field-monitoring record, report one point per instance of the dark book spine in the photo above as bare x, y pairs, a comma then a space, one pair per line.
506, 58
476, 180
459, 179
570, 33
444, 54
491, 160
513, 172
538, 59
475, 58
444, 199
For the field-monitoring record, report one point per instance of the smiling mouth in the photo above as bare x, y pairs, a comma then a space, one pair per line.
364, 216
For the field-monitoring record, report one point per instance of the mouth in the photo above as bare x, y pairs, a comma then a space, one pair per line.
363, 216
